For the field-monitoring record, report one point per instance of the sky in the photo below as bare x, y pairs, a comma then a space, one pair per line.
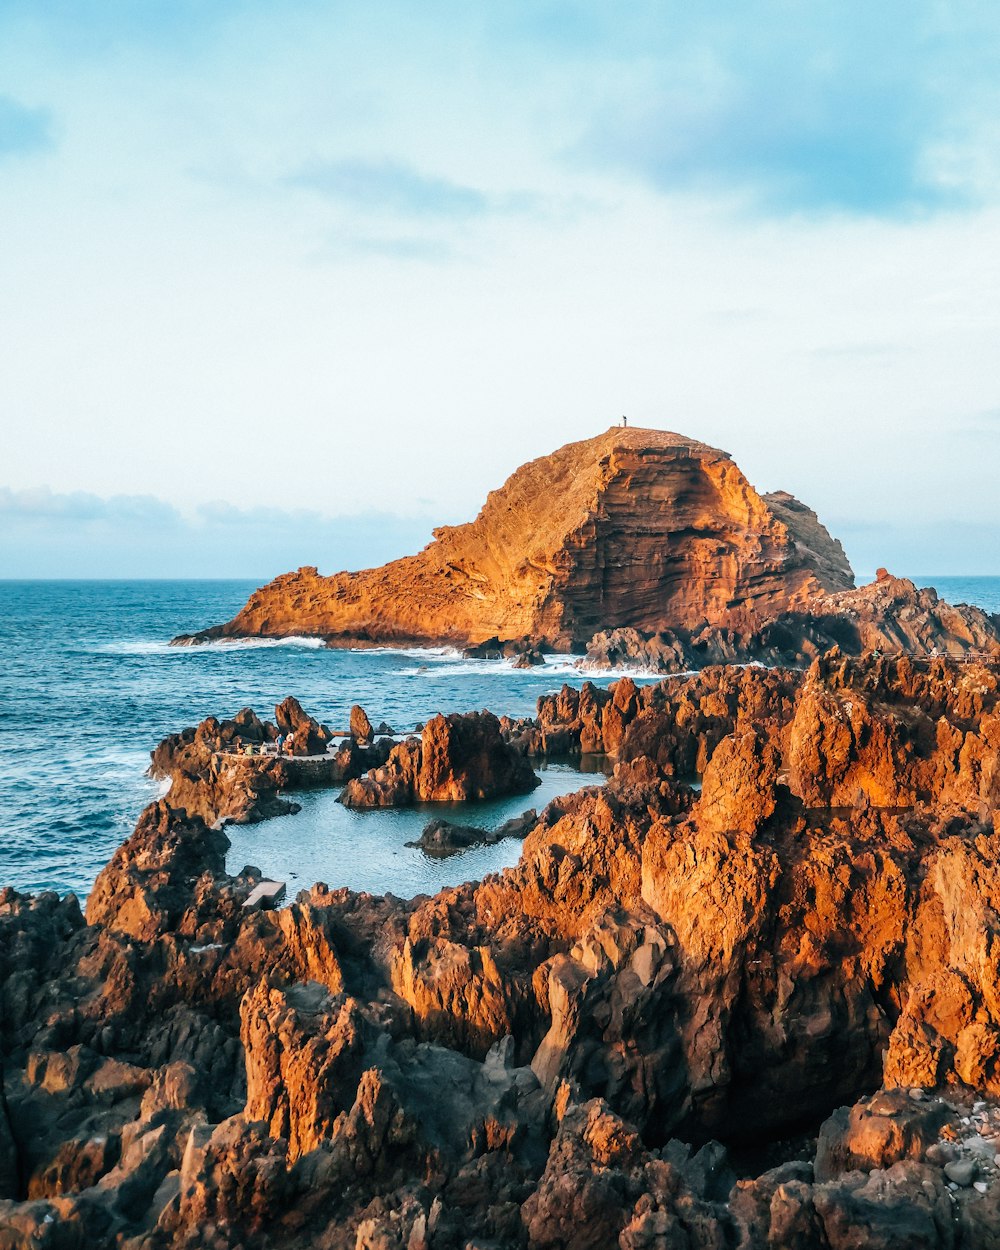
292, 284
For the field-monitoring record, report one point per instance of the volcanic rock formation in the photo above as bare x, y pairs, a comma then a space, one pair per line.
456, 758
800, 961
634, 528
213, 778
891, 615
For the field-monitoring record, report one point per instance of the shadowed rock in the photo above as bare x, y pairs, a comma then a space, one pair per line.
457, 758
803, 956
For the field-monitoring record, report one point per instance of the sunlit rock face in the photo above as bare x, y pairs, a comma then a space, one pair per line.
634, 528
675, 982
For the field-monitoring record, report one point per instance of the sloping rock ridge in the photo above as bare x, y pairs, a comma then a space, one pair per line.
890, 616
763, 1013
634, 528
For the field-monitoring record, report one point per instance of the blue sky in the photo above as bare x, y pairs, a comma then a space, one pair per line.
331, 271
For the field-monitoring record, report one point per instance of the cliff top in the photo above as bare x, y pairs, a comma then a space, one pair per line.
547, 498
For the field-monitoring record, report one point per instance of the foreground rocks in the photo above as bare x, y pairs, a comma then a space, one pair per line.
765, 1013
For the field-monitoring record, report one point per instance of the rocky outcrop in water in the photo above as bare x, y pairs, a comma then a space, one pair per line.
441, 838
762, 1014
641, 547
231, 771
455, 759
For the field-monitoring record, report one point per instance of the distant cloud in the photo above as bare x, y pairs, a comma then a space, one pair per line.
391, 187
809, 151
397, 189
23, 130
794, 109
41, 504
79, 534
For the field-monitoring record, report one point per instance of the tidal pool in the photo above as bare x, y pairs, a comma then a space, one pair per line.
365, 850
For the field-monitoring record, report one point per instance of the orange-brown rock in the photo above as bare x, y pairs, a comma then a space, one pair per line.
212, 776
635, 527
361, 726
808, 946
300, 1077
145, 889
890, 615
457, 758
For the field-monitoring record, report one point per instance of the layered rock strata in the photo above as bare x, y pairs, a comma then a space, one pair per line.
890, 616
765, 1013
634, 528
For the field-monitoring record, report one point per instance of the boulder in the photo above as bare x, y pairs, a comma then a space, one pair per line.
458, 758
361, 726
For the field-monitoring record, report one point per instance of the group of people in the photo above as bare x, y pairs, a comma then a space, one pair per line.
284, 744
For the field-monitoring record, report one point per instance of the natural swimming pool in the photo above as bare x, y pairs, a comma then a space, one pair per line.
365, 850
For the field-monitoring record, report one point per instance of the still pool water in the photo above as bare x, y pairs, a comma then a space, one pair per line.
366, 850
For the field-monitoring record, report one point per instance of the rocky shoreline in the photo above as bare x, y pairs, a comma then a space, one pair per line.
765, 1013
640, 548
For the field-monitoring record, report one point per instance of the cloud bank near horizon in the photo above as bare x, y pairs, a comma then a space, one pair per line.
81, 535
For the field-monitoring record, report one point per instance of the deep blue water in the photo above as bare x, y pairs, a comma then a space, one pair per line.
88, 686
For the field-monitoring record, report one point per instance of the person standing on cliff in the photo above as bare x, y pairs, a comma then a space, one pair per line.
624, 423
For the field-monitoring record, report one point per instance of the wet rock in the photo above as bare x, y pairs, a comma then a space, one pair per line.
458, 758
441, 838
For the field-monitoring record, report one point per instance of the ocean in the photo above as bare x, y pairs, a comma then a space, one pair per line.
89, 685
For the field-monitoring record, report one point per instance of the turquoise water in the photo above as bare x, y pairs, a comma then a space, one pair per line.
367, 850
88, 686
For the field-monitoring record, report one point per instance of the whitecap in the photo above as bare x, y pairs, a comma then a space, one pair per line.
635, 671
412, 653
160, 647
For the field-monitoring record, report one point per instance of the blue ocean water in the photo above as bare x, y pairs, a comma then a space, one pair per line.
88, 685
983, 592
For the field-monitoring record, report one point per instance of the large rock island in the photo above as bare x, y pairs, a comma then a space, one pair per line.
635, 528
639, 546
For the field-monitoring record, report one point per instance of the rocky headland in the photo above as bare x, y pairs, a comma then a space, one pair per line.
744, 995
637, 547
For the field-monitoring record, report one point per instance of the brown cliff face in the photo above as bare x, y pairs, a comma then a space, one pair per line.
635, 527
